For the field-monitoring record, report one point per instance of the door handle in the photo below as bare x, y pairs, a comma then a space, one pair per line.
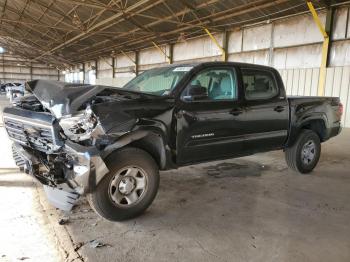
236, 111
279, 109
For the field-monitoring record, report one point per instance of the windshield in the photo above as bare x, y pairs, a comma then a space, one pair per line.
158, 81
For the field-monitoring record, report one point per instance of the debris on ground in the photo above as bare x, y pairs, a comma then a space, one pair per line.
95, 244
63, 221
22, 258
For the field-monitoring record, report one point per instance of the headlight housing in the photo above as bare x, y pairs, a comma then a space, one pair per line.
79, 127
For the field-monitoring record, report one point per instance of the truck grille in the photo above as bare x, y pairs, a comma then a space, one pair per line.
32, 129
36, 137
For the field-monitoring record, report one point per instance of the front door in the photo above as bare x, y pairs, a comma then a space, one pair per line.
208, 116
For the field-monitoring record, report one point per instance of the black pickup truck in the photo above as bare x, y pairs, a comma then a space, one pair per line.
110, 143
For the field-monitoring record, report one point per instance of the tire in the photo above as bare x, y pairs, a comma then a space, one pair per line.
114, 197
304, 154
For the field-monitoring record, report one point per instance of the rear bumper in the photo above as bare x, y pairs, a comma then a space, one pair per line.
334, 131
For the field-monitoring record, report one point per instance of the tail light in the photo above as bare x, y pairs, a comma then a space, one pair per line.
340, 110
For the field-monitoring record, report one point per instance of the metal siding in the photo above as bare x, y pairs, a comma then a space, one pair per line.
301, 88
295, 84
337, 81
289, 83
235, 42
344, 91
329, 81
315, 80
304, 82
308, 82
256, 38
297, 31
339, 26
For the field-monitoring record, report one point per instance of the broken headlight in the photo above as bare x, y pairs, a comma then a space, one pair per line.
79, 127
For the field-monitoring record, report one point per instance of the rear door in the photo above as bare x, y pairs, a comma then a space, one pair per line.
208, 118
267, 111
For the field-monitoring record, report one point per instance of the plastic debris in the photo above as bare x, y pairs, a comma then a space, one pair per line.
95, 244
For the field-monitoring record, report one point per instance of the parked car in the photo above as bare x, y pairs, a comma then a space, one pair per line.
14, 90
2, 88
110, 143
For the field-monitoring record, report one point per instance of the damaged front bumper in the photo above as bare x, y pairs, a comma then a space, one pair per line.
82, 172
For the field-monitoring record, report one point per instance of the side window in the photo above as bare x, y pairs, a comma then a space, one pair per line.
259, 85
211, 85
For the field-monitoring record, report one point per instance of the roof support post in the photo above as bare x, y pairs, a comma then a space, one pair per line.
171, 53
223, 51
272, 45
225, 45
31, 71
162, 51
113, 67
83, 73
137, 63
325, 31
96, 69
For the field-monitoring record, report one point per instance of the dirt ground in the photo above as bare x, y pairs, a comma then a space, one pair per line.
246, 209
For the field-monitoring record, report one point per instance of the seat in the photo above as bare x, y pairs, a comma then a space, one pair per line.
225, 90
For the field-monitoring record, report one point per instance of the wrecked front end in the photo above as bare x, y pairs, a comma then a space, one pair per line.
60, 152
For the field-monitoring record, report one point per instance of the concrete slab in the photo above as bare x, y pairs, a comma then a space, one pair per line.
247, 209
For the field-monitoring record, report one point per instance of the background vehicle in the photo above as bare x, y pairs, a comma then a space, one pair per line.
110, 143
13, 90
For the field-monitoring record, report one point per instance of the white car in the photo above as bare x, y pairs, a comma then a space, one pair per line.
14, 90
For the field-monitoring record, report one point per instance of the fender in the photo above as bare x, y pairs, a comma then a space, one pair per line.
150, 138
123, 141
304, 120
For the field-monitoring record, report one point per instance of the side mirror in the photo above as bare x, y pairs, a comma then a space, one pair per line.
195, 93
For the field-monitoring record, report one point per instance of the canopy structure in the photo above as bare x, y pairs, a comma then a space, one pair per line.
65, 32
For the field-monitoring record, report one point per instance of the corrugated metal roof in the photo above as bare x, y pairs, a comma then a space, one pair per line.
69, 31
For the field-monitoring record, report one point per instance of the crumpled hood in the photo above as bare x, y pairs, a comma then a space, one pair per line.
62, 98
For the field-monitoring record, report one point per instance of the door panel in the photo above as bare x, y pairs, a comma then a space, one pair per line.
267, 111
208, 133
208, 117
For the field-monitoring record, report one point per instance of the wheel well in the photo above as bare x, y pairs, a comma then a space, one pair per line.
152, 144
318, 126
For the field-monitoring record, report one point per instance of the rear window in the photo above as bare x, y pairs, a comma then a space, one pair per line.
259, 85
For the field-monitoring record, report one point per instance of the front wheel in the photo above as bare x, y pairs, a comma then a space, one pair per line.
303, 156
130, 186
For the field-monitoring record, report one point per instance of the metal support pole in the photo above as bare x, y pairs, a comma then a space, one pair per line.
113, 67
329, 30
326, 43
137, 63
31, 71
96, 69
162, 51
171, 53
223, 51
272, 45
225, 42
83, 73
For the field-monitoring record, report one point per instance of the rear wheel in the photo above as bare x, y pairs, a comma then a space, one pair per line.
303, 156
130, 186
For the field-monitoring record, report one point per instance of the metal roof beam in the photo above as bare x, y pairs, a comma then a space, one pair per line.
96, 26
